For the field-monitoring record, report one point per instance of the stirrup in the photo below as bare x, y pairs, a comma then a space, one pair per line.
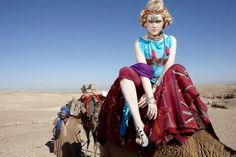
141, 138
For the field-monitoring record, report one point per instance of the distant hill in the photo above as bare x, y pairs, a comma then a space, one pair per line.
216, 90
218, 95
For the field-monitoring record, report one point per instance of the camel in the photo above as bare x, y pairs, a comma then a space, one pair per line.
200, 144
89, 122
176, 90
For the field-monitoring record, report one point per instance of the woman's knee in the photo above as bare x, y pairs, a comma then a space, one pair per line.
178, 67
125, 73
129, 74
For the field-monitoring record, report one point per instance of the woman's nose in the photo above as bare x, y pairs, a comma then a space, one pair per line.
154, 24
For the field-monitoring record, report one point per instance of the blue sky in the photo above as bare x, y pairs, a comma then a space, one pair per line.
58, 45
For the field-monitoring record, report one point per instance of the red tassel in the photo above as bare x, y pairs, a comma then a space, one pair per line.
167, 51
154, 54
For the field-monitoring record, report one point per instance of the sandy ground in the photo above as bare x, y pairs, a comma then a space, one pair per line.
26, 121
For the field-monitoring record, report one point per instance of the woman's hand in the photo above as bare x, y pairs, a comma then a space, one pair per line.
152, 108
142, 101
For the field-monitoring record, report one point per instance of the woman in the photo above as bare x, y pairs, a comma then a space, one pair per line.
161, 109
155, 49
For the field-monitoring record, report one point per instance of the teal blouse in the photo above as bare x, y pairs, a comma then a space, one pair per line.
156, 54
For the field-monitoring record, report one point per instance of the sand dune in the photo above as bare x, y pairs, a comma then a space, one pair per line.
26, 119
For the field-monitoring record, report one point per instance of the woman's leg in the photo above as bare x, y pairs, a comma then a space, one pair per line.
129, 91
129, 79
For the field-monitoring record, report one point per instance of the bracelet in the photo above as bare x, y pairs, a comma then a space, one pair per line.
151, 100
154, 87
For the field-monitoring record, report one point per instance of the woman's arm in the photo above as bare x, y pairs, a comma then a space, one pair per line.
171, 59
140, 58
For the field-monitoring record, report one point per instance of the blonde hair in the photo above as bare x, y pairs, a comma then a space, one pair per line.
155, 7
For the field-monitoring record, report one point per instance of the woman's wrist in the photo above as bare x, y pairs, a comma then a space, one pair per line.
154, 87
151, 100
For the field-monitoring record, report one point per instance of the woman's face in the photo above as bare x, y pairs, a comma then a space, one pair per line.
154, 24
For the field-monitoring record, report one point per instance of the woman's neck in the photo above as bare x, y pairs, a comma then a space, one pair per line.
155, 37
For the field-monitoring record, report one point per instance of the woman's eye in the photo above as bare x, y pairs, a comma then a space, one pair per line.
155, 21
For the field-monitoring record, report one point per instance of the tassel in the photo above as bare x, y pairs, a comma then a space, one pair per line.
167, 51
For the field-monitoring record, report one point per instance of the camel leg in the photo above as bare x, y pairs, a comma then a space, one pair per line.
104, 152
87, 131
95, 146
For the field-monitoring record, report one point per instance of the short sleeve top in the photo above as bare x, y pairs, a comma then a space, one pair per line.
156, 53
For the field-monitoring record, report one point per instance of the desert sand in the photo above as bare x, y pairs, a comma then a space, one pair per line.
26, 118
